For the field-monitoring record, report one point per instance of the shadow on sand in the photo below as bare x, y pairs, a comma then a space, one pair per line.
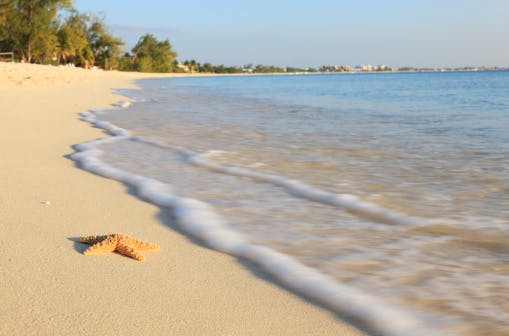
78, 247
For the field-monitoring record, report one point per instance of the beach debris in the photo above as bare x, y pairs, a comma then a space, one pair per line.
46, 202
117, 242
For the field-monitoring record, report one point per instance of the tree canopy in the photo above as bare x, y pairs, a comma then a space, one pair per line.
151, 55
29, 27
35, 31
73, 45
105, 47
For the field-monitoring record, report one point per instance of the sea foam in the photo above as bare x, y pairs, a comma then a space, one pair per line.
350, 203
201, 221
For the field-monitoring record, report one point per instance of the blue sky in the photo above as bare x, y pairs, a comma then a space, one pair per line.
317, 32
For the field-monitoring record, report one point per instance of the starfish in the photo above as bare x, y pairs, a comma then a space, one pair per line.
120, 243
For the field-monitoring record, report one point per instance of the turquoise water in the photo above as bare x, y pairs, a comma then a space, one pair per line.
420, 161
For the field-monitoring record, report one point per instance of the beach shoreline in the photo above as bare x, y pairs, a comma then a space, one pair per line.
51, 288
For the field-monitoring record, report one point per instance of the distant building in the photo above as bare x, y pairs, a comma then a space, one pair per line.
183, 67
336, 68
357, 68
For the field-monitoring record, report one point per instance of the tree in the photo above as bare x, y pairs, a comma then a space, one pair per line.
151, 55
73, 41
105, 47
44, 45
29, 26
268, 69
207, 67
31, 29
193, 65
6, 9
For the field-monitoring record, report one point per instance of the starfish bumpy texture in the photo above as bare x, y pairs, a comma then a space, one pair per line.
120, 243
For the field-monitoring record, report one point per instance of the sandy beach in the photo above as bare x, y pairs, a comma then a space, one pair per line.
50, 288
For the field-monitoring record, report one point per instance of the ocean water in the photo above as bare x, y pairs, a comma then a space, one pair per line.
384, 197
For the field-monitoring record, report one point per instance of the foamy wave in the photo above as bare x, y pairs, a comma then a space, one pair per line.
350, 203
200, 220
122, 104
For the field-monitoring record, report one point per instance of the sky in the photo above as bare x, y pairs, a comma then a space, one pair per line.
423, 33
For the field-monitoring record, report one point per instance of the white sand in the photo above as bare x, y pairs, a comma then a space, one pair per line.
49, 288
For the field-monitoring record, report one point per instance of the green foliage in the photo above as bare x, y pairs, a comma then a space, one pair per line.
193, 66
228, 70
292, 69
33, 31
105, 47
6, 8
73, 41
44, 45
151, 55
207, 67
268, 69
28, 27
124, 63
145, 64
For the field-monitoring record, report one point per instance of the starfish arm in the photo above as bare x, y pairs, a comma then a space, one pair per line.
141, 245
107, 245
129, 251
92, 239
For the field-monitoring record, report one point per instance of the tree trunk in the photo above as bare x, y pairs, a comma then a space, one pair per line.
30, 18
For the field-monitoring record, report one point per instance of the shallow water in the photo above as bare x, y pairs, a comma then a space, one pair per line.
421, 162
